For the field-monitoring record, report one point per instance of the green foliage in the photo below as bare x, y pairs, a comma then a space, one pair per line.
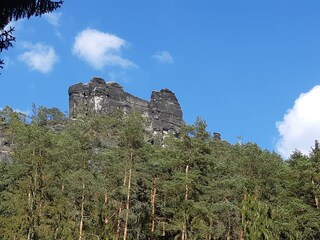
13, 10
73, 183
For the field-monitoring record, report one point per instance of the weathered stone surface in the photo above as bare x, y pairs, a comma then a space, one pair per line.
5, 146
163, 110
100, 97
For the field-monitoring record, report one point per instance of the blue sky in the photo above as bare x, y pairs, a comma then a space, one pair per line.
249, 68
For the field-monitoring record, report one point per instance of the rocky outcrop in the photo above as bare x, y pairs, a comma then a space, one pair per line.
5, 145
163, 110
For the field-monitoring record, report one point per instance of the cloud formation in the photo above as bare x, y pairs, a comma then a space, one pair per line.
53, 18
39, 57
163, 57
100, 49
300, 126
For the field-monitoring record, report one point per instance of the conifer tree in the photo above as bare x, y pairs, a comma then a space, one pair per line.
13, 10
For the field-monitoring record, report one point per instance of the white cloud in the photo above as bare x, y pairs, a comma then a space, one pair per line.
163, 57
39, 57
53, 18
100, 49
300, 126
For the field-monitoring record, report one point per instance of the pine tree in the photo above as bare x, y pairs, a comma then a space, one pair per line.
13, 10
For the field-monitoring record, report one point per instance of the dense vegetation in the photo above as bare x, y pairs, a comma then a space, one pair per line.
97, 178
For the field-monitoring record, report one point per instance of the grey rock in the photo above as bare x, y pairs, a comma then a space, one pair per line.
163, 110
6, 150
100, 97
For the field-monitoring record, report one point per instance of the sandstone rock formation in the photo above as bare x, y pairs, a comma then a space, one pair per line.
5, 145
163, 110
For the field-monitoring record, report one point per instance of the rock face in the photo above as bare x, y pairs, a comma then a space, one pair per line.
5, 146
163, 110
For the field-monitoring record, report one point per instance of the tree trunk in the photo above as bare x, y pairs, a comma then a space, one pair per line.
153, 202
163, 229
183, 232
30, 229
127, 206
119, 222
31, 199
106, 218
125, 178
316, 199
128, 201
229, 228
187, 189
81, 213
184, 227
210, 227
241, 235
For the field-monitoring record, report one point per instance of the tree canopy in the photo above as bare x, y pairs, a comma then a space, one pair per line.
96, 177
13, 10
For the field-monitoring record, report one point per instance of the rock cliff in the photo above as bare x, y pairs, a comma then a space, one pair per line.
5, 145
163, 110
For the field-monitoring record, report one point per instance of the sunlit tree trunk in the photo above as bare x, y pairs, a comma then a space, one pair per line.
184, 230
241, 235
229, 227
120, 209
81, 212
119, 222
316, 199
30, 229
31, 200
128, 201
153, 202
106, 218
163, 229
187, 189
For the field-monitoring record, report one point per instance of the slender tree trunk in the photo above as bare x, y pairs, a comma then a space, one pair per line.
31, 200
120, 209
229, 228
127, 205
128, 200
81, 213
187, 189
241, 235
316, 199
41, 187
106, 218
119, 222
153, 203
125, 178
184, 230
210, 227
163, 229
30, 223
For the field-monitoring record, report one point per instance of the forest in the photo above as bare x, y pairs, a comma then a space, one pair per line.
96, 177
